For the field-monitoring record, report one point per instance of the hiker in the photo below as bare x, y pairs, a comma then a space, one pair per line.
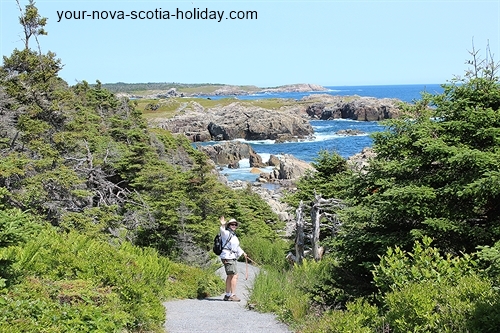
230, 254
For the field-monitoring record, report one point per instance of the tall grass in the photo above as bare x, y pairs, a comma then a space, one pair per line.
266, 252
285, 292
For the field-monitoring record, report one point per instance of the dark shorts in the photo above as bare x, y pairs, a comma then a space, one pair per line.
230, 266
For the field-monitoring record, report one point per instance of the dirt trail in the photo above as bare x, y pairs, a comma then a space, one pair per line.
215, 315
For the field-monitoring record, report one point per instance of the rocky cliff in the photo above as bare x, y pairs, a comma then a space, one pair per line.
230, 153
326, 107
238, 121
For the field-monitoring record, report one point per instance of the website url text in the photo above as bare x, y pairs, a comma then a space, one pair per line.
157, 14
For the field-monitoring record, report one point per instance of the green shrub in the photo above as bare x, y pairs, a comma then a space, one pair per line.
83, 277
489, 258
398, 268
423, 291
38, 305
471, 305
15, 228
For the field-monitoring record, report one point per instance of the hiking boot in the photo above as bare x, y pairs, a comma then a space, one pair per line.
233, 299
226, 298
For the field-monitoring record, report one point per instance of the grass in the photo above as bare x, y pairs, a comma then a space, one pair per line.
167, 108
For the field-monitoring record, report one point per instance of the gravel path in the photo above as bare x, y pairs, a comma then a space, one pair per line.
214, 315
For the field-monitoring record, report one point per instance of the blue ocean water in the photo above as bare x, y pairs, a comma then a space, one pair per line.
325, 137
404, 92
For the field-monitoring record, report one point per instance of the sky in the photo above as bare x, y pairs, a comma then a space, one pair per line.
272, 43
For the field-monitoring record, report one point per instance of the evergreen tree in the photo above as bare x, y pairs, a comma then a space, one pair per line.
436, 174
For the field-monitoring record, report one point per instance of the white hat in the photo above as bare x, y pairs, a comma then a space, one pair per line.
233, 221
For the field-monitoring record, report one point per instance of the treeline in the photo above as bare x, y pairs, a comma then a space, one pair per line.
101, 217
415, 244
138, 87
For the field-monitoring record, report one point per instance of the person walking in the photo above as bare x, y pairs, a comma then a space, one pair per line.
229, 256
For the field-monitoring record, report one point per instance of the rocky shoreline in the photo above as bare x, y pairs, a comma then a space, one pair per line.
241, 120
238, 121
290, 122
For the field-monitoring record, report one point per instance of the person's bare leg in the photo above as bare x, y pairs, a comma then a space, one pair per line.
234, 281
229, 283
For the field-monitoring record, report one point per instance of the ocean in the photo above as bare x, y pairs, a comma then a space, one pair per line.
325, 137
404, 92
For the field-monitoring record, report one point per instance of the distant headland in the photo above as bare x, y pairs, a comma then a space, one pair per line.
163, 90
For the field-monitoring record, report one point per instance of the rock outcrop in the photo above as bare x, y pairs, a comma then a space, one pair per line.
231, 91
287, 167
230, 153
171, 92
290, 168
361, 160
238, 121
350, 132
294, 88
352, 107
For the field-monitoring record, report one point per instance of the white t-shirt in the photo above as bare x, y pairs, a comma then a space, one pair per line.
232, 250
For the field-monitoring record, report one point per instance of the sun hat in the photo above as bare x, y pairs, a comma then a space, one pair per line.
233, 221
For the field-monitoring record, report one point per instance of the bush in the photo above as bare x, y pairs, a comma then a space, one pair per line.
422, 291
489, 259
88, 282
398, 268
15, 228
471, 305
37, 305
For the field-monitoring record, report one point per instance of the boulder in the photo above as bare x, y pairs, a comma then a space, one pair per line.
255, 159
273, 161
230, 153
293, 168
349, 132
290, 168
255, 170
360, 161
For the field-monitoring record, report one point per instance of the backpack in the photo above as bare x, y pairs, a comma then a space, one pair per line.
218, 247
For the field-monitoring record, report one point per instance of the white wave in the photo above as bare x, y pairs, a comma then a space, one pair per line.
265, 157
244, 163
348, 120
325, 137
256, 142
243, 173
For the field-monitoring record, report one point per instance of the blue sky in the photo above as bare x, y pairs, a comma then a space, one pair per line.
331, 43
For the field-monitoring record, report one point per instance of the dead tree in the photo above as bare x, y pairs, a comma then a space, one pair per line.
321, 209
299, 238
